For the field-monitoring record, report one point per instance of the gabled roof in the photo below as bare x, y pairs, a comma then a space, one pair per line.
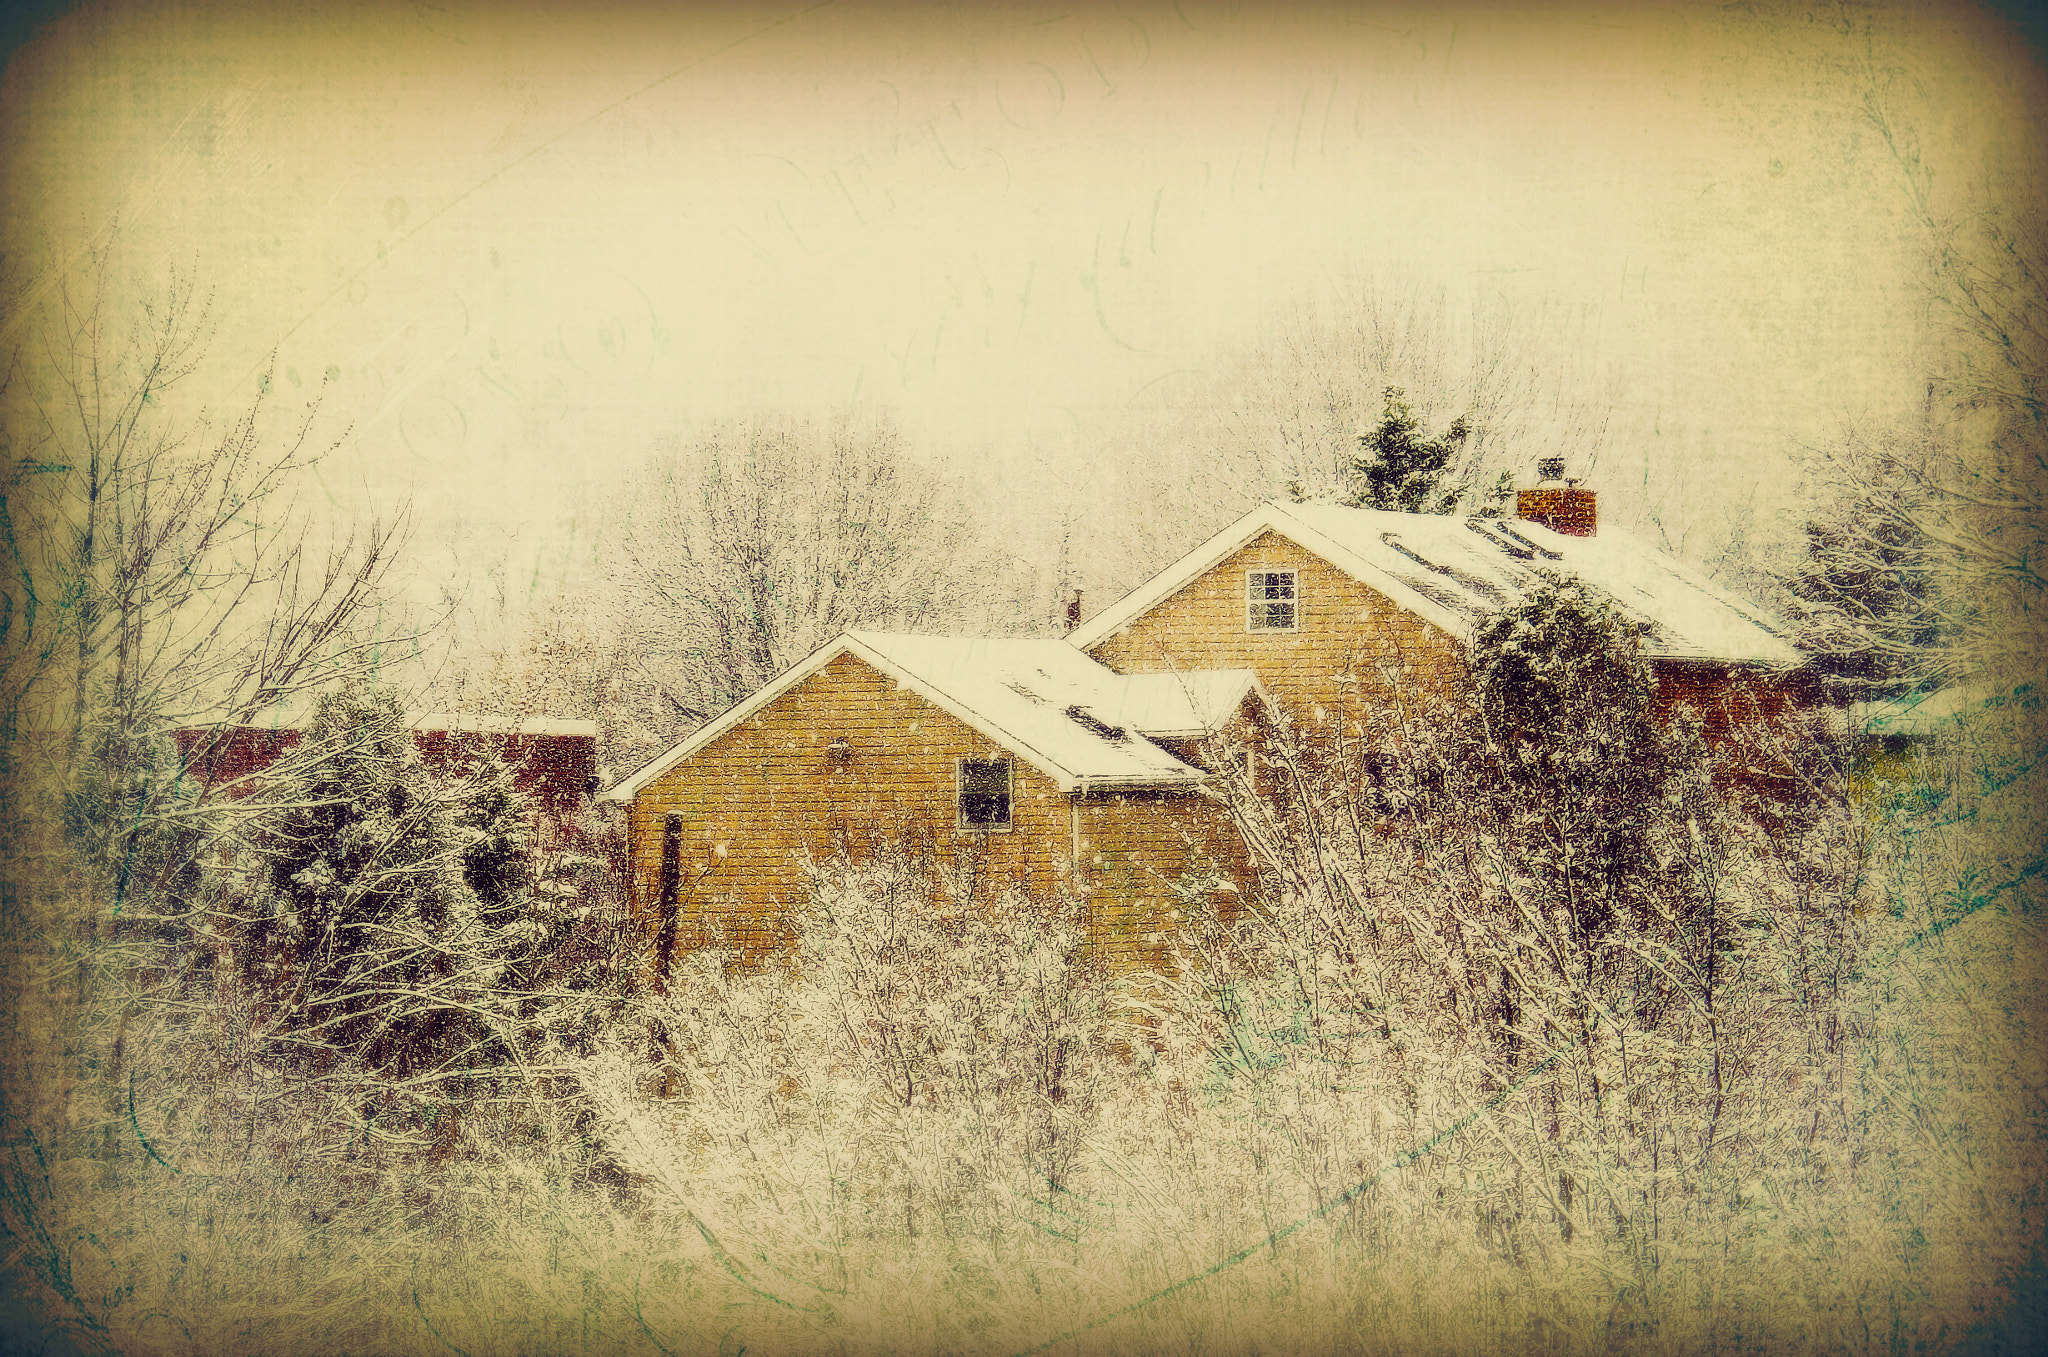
1454, 571
1183, 706
1078, 722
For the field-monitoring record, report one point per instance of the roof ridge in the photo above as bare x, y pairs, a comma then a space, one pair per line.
1134, 763
1468, 565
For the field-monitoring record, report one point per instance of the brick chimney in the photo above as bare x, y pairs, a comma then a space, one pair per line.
1558, 503
1073, 609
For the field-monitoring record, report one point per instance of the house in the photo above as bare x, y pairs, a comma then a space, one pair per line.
1076, 764
1338, 608
1015, 763
554, 761
1892, 738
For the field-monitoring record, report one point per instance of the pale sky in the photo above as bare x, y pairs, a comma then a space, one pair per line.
523, 242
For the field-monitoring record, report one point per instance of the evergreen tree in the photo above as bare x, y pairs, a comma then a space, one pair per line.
390, 901
1399, 468
1575, 758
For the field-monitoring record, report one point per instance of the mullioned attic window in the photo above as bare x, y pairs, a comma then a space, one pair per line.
1270, 598
985, 794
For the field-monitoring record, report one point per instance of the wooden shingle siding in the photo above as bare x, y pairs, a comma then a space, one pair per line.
1727, 695
1350, 645
1141, 853
769, 796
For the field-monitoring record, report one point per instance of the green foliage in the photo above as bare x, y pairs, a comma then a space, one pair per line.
388, 900
1571, 755
1500, 500
121, 820
491, 819
1558, 662
1399, 468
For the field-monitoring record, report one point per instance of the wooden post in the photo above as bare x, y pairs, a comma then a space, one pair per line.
671, 908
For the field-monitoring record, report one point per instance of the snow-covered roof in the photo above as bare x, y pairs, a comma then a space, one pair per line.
1183, 706
468, 722
295, 718
1454, 571
1077, 721
1919, 715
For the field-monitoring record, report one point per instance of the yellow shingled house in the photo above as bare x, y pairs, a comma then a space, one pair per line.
1074, 765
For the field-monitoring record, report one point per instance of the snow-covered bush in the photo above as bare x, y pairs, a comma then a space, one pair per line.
1532, 882
1312, 1152
386, 956
381, 918
1781, 1096
955, 1043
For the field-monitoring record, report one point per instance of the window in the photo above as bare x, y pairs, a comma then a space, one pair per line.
985, 794
1269, 600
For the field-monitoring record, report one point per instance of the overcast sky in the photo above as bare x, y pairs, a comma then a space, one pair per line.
521, 243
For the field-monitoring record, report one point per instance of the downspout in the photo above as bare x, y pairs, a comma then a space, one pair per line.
1074, 834
1074, 872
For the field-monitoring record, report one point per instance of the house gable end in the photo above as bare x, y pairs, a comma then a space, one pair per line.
1274, 519
1062, 749
1348, 638
840, 760
843, 716
1452, 571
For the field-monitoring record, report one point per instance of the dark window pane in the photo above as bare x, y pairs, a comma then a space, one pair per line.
1270, 596
984, 812
985, 793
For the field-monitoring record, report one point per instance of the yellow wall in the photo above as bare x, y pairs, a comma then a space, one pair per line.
766, 797
1345, 628
1137, 849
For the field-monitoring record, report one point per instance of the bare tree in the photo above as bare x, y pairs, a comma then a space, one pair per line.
1951, 509
161, 539
740, 552
1879, 604
154, 575
156, 567
1294, 409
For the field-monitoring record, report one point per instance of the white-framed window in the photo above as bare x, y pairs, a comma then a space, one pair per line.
1271, 600
985, 794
